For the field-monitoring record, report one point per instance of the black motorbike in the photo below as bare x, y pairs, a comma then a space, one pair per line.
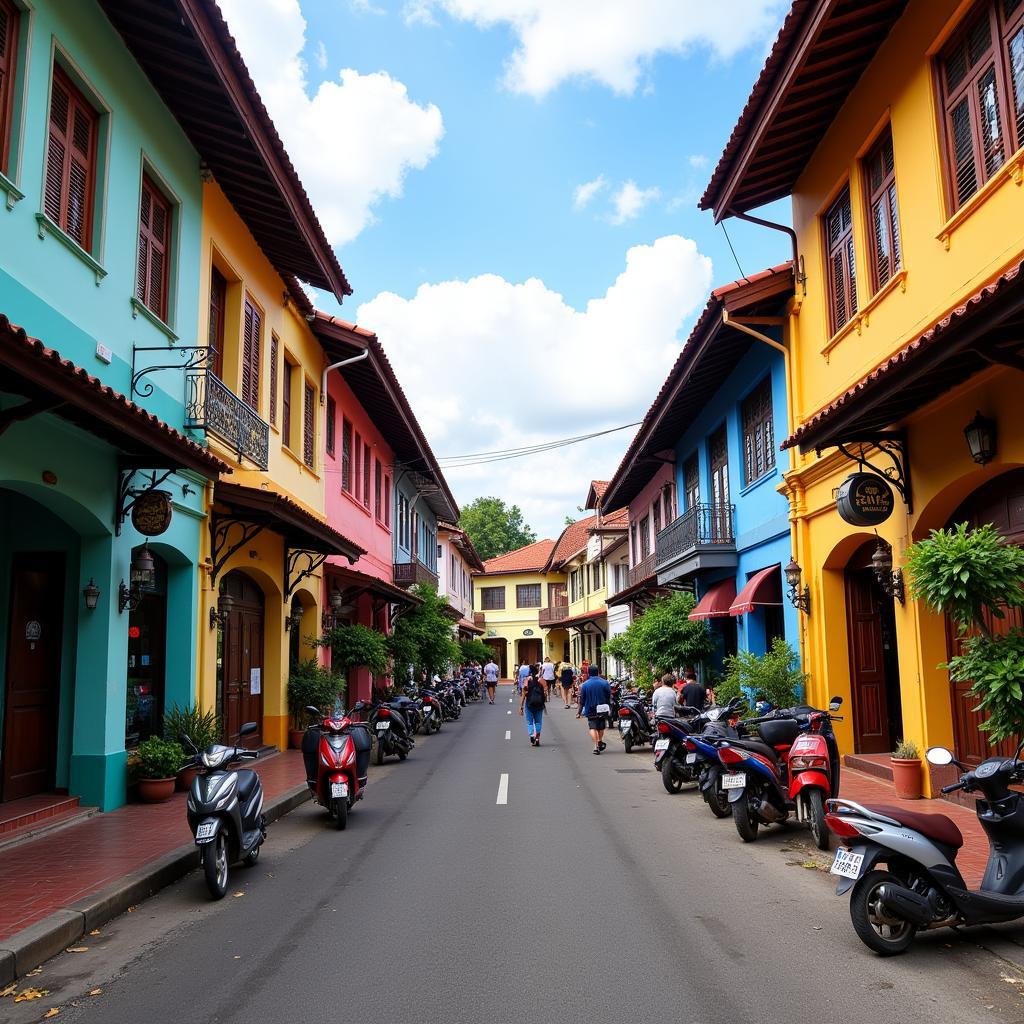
390, 727
225, 809
634, 721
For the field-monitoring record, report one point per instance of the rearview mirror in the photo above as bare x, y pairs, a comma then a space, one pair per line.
939, 755
314, 711
248, 729
186, 742
835, 703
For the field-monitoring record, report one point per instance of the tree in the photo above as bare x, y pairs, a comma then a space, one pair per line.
774, 676
473, 649
495, 528
357, 645
974, 576
422, 636
663, 638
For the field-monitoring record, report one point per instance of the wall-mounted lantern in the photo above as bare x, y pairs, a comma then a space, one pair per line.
293, 621
981, 439
142, 576
219, 614
889, 579
91, 593
799, 599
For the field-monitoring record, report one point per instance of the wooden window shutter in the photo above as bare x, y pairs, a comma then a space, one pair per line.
332, 416
366, 474
346, 455
758, 432
286, 405
886, 257
70, 161
1014, 14
378, 475
273, 378
842, 270
8, 52
252, 335
215, 332
155, 217
309, 425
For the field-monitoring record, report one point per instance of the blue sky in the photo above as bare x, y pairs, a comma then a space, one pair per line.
443, 143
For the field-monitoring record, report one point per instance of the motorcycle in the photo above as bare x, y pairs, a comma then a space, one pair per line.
225, 809
921, 886
671, 756
336, 754
390, 729
635, 721
763, 788
432, 713
702, 750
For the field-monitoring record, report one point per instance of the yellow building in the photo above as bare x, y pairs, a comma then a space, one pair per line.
513, 596
897, 129
257, 397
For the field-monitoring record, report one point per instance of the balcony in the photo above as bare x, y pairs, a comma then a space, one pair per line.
210, 405
408, 573
479, 619
702, 538
554, 612
639, 572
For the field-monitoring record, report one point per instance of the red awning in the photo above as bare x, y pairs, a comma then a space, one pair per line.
716, 602
764, 587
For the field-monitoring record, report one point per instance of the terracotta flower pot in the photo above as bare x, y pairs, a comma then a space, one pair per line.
185, 777
156, 791
906, 776
295, 738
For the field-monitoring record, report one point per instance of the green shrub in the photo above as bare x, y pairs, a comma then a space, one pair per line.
357, 646
312, 684
202, 727
774, 676
159, 759
474, 650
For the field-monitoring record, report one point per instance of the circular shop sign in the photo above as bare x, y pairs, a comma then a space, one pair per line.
151, 513
527, 632
864, 499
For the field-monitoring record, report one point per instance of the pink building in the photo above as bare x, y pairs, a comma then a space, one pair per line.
456, 562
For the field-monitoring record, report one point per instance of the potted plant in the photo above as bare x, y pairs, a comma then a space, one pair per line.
159, 761
202, 727
309, 684
906, 770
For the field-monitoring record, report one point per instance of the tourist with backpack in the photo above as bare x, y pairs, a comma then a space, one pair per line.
531, 707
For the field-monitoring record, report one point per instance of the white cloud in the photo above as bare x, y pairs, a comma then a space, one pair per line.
629, 201
584, 193
419, 12
366, 7
698, 161
354, 140
320, 55
609, 41
541, 369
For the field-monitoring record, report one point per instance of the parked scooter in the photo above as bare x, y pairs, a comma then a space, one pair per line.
225, 809
389, 727
336, 753
635, 721
702, 751
921, 886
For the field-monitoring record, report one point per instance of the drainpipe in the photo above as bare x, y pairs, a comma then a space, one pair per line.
337, 366
798, 265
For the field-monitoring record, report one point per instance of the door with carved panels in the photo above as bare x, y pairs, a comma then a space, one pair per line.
242, 665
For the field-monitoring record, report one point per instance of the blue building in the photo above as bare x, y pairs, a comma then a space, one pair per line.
421, 499
701, 476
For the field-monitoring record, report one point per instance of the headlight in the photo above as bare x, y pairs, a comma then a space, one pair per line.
803, 761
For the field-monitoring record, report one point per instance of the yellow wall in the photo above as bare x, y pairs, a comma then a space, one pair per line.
228, 245
945, 259
509, 624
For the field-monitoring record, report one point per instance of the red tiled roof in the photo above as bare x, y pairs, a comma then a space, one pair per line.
579, 620
599, 486
621, 489
469, 627
617, 520
96, 407
530, 558
905, 358
572, 540
464, 543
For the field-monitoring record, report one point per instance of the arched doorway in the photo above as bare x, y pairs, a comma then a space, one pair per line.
1001, 503
874, 662
499, 652
240, 658
147, 659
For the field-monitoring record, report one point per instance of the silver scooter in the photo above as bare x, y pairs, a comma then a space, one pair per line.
225, 809
921, 886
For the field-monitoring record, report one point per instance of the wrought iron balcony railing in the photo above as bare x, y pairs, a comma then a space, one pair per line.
408, 573
639, 572
700, 529
212, 406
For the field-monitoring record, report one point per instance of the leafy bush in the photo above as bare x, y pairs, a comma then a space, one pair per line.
971, 575
906, 750
474, 650
662, 639
774, 676
312, 684
353, 646
159, 759
422, 636
202, 727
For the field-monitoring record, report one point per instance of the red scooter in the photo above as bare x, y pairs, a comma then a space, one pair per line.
814, 771
337, 758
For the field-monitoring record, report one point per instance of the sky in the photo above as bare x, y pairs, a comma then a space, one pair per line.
511, 188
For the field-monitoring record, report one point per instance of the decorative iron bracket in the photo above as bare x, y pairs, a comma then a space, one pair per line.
196, 361
221, 548
127, 495
893, 445
314, 559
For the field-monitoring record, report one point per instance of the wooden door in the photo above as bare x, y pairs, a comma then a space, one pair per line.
721, 520
242, 672
32, 690
530, 651
874, 678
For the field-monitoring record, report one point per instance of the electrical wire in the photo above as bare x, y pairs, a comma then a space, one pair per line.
721, 224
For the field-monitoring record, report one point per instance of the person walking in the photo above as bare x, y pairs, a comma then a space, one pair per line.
547, 673
531, 707
693, 695
524, 672
491, 671
567, 678
664, 697
595, 706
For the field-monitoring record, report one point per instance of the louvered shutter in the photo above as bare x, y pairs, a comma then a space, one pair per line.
79, 178
842, 273
273, 379
8, 44
309, 426
56, 154
1015, 53
70, 161
154, 236
252, 331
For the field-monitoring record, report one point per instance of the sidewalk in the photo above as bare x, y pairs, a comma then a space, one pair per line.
865, 789
88, 870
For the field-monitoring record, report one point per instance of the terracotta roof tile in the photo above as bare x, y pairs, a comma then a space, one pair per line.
573, 540
530, 558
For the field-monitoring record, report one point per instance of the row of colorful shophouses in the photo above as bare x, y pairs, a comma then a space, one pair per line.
826, 413
199, 471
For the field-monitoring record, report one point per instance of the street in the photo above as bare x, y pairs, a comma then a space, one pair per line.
590, 896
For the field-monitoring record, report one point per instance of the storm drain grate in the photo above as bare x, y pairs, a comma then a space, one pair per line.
633, 771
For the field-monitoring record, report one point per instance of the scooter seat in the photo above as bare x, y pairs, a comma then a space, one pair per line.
756, 747
935, 826
248, 780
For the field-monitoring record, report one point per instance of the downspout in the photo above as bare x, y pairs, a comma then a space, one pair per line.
337, 366
798, 265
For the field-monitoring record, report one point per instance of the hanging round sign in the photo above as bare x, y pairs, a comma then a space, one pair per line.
151, 513
864, 499
527, 632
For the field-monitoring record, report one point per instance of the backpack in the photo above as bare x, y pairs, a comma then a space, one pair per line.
535, 696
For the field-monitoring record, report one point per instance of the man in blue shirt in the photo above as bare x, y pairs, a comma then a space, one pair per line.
595, 705
521, 676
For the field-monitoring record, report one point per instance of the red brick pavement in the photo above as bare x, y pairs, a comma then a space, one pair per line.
54, 870
864, 789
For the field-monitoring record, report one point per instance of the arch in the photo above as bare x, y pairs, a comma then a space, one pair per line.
839, 557
78, 517
942, 507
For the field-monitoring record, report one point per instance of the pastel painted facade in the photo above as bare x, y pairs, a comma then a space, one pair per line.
934, 244
457, 561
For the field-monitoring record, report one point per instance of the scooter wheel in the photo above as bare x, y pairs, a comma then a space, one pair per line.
402, 754
340, 812
380, 752
249, 860
716, 800
875, 925
746, 823
215, 866
669, 778
816, 816
627, 743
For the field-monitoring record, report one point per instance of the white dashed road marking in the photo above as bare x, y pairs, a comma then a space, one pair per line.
508, 734
502, 789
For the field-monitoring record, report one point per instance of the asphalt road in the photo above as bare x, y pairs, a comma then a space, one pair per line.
590, 896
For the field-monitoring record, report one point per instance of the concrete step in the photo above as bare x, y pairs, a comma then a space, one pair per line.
876, 765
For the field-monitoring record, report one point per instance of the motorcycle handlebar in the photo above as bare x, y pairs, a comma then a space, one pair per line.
955, 786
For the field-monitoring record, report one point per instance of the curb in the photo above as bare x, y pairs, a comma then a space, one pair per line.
30, 947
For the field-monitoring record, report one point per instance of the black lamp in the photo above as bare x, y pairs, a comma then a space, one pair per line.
889, 579
293, 621
981, 439
219, 615
91, 593
800, 599
142, 575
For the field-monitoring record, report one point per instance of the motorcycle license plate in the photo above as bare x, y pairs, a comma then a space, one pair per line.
625, 726
381, 726
426, 712
206, 830
691, 758
661, 745
735, 780
338, 789
847, 863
